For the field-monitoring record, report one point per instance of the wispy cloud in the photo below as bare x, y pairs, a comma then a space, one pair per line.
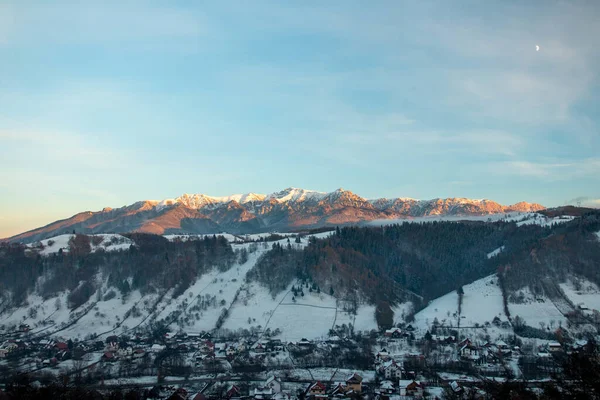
549, 171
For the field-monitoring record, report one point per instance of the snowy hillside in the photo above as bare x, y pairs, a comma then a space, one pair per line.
481, 304
535, 310
199, 308
582, 293
103, 241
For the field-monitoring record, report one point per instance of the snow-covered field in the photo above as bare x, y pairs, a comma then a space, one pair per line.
536, 310
105, 241
586, 295
444, 309
482, 301
521, 218
197, 309
542, 220
310, 316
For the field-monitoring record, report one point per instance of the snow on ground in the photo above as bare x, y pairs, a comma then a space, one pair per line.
521, 218
542, 220
482, 301
185, 238
310, 316
495, 252
222, 286
106, 315
46, 313
431, 218
401, 311
586, 295
598, 234
444, 308
104, 241
535, 309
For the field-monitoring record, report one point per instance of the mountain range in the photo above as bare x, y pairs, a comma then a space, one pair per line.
286, 210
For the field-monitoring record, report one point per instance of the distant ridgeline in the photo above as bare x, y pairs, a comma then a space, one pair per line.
378, 265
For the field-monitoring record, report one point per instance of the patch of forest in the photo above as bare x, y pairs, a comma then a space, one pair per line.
385, 265
152, 264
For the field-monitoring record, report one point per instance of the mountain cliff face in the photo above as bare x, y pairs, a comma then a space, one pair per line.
288, 209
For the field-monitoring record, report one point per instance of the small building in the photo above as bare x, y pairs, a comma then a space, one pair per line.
554, 347
317, 389
386, 387
390, 370
410, 388
382, 355
354, 383
273, 383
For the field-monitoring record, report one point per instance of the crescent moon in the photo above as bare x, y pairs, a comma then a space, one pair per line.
537, 48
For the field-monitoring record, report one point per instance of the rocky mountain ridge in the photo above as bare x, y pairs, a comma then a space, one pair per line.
286, 210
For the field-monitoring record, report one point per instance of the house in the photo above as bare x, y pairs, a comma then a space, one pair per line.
273, 383
230, 351
339, 390
241, 346
61, 346
207, 347
390, 370
393, 333
125, 352
258, 347
261, 393
157, 348
10, 346
501, 345
554, 347
354, 383
410, 388
304, 343
109, 356
469, 351
316, 390
382, 355
455, 386
138, 353
386, 387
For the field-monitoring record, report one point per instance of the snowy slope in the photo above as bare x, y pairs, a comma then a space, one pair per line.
105, 241
198, 309
586, 295
495, 252
444, 308
535, 310
482, 301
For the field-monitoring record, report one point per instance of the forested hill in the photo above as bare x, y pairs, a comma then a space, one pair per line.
152, 263
420, 262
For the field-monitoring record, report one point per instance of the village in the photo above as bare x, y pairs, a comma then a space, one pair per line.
390, 364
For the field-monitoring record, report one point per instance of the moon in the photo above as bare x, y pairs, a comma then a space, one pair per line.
537, 48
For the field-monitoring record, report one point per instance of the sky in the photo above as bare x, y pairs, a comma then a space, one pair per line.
110, 102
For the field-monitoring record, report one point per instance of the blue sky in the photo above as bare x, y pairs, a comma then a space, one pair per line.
105, 104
